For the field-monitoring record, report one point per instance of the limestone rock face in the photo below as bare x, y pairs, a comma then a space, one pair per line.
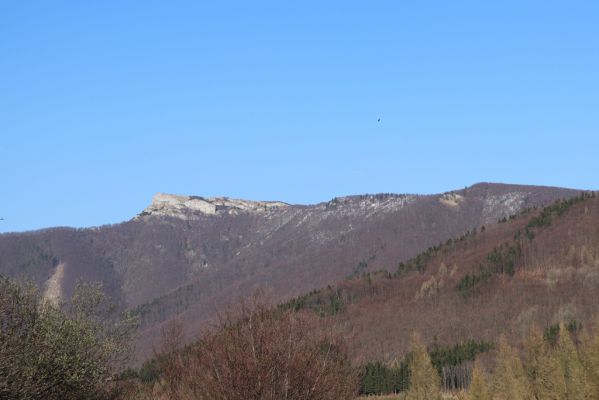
188, 207
451, 199
502, 205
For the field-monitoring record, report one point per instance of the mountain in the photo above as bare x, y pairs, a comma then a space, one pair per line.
189, 255
538, 268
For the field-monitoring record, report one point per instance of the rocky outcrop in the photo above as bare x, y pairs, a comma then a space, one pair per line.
186, 207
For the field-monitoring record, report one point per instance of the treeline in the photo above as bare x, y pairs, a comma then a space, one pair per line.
555, 366
323, 302
330, 301
506, 258
560, 370
377, 378
453, 365
557, 209
502, 260
420, 261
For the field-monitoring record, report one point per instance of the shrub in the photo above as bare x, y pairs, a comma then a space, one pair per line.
69, 351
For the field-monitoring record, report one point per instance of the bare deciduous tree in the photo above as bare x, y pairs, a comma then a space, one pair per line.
259, 354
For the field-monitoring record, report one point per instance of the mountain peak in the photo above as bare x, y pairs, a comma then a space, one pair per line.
184, 207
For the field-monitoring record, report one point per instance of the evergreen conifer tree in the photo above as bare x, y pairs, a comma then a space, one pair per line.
368, 379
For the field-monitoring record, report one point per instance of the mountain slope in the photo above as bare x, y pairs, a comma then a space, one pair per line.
540, 268
190, 255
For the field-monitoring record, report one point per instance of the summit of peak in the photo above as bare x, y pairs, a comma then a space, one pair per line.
181, 206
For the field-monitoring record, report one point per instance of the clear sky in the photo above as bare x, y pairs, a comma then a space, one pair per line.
104, 103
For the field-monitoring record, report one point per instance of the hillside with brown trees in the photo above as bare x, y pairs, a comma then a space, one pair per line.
189, 256
505, 311
540, 268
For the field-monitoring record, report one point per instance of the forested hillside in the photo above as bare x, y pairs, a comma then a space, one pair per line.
189, 256
505, 311
519, 297
539, 268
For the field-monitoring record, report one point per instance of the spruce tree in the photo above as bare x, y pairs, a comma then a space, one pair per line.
368, 379
425, 383
479, 387
509, 378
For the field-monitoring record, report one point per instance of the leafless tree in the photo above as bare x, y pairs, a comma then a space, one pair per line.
258, 353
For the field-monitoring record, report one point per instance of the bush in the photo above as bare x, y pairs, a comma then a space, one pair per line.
49, 351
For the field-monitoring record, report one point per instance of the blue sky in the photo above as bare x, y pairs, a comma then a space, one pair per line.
102, 104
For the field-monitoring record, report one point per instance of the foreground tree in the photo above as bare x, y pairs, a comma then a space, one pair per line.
590, 358
256, 353
509, 380
425, 383
67, 351
479, 387
577, 384
543, 367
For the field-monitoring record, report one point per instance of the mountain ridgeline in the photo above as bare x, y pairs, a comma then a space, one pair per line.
189, 256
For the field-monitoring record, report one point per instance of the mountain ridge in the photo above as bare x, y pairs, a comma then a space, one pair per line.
189, 262
178, 203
